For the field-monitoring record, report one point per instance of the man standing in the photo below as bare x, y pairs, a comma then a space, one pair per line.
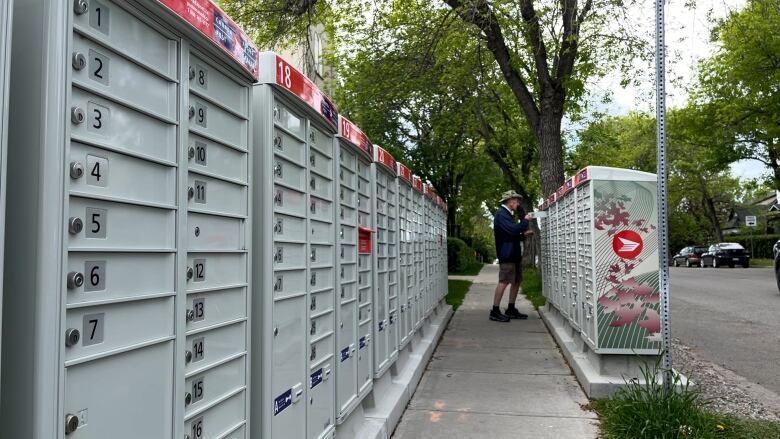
509, 235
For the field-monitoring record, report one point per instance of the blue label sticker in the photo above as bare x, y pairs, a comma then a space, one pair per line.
362, 342
316, 378
282, 402
345, 354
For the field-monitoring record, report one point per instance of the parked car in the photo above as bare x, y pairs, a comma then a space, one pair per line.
726, 253
776, 255
690, 256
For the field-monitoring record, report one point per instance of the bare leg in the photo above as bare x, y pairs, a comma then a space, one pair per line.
499, 293
513, 293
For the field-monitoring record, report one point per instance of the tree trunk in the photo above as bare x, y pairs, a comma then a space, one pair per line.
550, 146
712, 214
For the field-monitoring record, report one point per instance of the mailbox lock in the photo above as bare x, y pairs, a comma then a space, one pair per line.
192, 72
190, 315
71, 423
76, 170
187, 356
76, 115
191, 153
187, 398
75, 280
190, 192
197, 231
276, 332
192, 112
72, 337
80, 6
75, 225
79, 61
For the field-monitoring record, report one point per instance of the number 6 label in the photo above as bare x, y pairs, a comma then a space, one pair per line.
95, 276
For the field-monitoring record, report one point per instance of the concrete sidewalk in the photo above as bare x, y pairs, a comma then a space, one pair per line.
496, 380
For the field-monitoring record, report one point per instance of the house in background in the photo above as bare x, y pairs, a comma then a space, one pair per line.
766, 209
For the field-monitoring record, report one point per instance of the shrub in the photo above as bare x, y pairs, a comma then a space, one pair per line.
761, 244
647, 410
459, 255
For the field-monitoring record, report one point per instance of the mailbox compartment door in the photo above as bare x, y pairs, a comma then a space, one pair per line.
288, 367
321, 399
346, 355
104, 392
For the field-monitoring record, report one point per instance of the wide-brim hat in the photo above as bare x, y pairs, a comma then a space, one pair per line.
508, 195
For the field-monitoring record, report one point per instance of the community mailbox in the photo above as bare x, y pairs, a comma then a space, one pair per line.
129, 204
407, 279
294, 212
353, 334
600, 259
385, 261
418, 203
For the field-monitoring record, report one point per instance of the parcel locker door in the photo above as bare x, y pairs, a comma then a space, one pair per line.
216, 274
121, 226
346, 356
288, 368
321, 398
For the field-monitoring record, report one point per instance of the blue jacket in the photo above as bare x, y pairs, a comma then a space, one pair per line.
508, 235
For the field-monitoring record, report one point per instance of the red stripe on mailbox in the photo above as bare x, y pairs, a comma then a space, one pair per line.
296, 83
384, 157
356, 136
404, 172
212, 22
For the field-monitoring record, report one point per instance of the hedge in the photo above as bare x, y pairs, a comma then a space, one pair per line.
459, 255
761, 244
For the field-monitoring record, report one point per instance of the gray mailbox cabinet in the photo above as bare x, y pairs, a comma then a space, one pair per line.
407, 275
385, 261
129, 199
353, 247
418, 203
294, 242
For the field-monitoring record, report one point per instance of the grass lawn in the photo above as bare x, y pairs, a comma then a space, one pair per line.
700, 424
456, 291
532, 287
760, 262
472, 270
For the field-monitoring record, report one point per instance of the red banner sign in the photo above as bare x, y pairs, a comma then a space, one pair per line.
212, 22
417, 183
356, 136
404, 172
276, 70
581, 176
384, 157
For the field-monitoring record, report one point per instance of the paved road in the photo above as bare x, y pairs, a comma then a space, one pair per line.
731, 317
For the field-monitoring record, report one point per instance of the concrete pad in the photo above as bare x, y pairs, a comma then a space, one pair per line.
542, 395
425, 424
465, 339
522, 361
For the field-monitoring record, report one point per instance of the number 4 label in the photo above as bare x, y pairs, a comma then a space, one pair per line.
97, 171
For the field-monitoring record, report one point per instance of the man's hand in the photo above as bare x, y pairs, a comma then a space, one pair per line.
528, 232
529, 216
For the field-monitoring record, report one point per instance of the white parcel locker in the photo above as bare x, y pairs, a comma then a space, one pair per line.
385, 261
129, 194
294, 210
5, 60
354, 150
609, 276
406, 275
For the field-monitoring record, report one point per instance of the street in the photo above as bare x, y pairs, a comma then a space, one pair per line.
731, 317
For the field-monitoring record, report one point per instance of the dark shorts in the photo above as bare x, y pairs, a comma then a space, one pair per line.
510, 273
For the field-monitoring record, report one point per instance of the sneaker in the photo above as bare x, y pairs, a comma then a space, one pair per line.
496, 316
513, 313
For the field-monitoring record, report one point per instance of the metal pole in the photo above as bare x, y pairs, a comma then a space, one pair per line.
663, 232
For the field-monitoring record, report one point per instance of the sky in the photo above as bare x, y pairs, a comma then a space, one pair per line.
688, 40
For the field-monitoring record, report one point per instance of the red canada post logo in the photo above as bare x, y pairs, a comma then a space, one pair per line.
627, 244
